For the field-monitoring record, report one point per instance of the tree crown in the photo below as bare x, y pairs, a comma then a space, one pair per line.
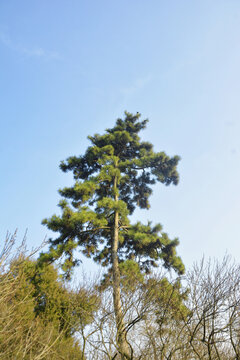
114, 175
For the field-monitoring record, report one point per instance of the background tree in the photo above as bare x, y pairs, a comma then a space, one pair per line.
112, 178
214, 302
155, 315
39, 315
163, 331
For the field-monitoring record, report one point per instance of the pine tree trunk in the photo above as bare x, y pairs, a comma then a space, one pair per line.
121, 333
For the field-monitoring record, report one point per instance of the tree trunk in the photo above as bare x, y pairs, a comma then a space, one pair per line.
123, 346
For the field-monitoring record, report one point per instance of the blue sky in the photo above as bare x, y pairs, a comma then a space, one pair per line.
68, 69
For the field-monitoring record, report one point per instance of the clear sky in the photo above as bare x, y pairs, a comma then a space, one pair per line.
68, 69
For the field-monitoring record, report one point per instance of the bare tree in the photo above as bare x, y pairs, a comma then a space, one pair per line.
214, 300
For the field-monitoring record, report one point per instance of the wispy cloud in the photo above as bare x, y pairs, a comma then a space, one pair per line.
137, 85
37, 52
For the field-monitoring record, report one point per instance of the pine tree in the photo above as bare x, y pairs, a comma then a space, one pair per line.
112, 178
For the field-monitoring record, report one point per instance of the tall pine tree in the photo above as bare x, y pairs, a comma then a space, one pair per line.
112, 178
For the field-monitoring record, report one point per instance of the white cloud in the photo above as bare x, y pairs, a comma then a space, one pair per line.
37, 52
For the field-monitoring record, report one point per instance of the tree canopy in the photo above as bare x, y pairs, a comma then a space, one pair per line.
117, 165
40, 316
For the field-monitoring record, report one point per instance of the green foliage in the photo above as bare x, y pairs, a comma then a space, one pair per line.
168, 298
151, 244
39, 314
114, 175
54, 302
130, 277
